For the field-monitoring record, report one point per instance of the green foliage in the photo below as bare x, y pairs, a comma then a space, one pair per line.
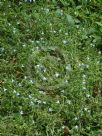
51, 68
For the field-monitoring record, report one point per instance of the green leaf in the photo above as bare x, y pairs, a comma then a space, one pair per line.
99, 23
70, 20
58, 12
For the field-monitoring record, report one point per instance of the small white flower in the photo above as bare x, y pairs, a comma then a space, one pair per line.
63, 127
2, 49
18, 22
75, 118
66, 33
39, 101
21, 112
17, 94
13, 80
58, 102
32, 103
47, 10
37, 41
50, 110
88, 111
9, 5
24, 45
66, 81
68, 67
14, 50
32, 41
31, 81
44, 78
62, 91
42, 33
87, 66
33, 123
60, 30
14, 30
87, 95
76, 127
25, 77
99, 52
83, 65
38, 66
54, 31
37, 48
85, 109
19, 84
58, 58
98, 62
93, 45
35, 100
41, 38
42, 92
30, 96
9, 24
68, 101
80, 64
14, 91
88, 58
50, 24
84, 88
56, 74
22, 66
5, 89
44, 70
84, 82
44, 102
64, 42
83, 75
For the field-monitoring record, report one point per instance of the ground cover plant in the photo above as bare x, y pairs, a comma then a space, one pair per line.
51, 68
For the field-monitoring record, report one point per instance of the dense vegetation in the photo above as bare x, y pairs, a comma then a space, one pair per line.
51, 68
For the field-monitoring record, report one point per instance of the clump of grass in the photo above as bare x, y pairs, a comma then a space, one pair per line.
51, 68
